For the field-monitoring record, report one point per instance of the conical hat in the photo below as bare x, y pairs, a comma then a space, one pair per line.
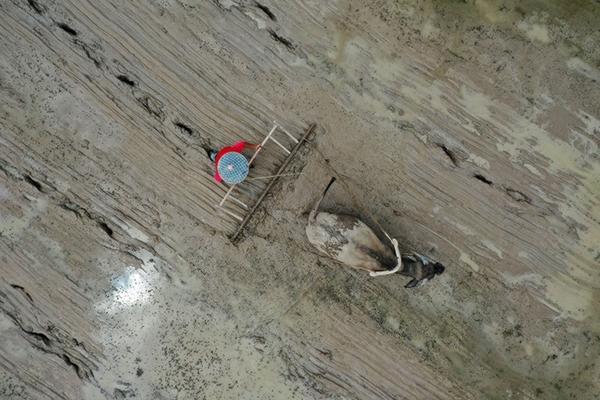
233, 168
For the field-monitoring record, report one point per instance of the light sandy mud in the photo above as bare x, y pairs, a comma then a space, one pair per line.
468, 129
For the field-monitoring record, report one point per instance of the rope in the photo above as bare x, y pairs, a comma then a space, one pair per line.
355, 202
272, 176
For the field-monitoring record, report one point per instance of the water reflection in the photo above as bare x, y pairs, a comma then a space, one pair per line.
132, 287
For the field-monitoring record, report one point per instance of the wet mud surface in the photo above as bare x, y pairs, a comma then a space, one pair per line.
469, 130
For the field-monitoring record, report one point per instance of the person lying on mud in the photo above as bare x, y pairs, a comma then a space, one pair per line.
238, 147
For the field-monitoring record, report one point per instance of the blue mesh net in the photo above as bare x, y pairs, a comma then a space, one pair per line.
233, 168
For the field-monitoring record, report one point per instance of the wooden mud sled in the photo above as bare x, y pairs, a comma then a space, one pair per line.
242, 204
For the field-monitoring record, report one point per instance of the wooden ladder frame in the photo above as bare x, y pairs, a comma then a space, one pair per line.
290, 154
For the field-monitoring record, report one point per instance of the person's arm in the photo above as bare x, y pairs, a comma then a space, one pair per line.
241, 145
238, 147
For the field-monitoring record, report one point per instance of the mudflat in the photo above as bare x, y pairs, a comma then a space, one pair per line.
469, 130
